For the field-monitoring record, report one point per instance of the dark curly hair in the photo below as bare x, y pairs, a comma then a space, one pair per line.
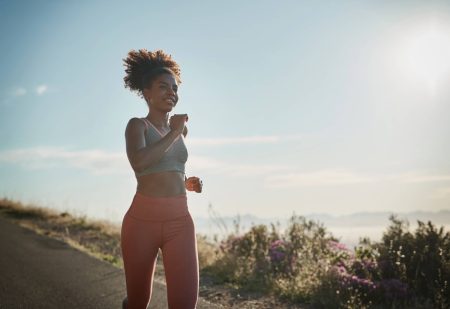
142, 66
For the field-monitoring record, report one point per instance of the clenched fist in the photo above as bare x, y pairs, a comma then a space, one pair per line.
177, 122
193, 184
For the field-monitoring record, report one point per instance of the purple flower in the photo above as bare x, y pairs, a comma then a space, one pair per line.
341, 269
277, 243
276, 256
348, 280
277, 250
337, 246
280, 258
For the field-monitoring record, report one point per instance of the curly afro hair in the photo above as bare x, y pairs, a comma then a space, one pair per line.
142, 66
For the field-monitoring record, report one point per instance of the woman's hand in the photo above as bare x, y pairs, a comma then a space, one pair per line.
177, 122
193, 184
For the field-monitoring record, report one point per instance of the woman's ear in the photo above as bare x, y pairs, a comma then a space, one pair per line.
185, 131
146, 94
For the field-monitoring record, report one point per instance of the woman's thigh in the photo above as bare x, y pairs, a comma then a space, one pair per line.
179, 249
140, 241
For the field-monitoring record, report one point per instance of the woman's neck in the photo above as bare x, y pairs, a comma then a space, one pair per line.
158, 119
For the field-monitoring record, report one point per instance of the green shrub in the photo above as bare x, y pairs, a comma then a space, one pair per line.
288, 265
306, 264
420, 260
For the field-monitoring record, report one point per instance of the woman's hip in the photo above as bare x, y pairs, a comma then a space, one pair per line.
158, 208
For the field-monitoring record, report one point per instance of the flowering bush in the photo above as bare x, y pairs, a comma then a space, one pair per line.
287, 264
307, 264
281, 260
415, 266
392, 273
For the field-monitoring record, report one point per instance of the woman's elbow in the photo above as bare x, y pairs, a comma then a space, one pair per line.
137, 166
141, 166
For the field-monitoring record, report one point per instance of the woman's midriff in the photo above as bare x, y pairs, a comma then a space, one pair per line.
161, 184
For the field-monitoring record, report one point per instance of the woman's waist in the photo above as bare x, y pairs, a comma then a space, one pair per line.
165, 184
158, 208
161, 176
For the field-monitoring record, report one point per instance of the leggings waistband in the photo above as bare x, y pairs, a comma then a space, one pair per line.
158, 208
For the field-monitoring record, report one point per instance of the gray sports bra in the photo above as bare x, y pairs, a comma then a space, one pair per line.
176, 154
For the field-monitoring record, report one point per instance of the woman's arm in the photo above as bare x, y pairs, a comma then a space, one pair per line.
140, 155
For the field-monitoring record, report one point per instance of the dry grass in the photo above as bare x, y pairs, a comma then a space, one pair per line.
97, 237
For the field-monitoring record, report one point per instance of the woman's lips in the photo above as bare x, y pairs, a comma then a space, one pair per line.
170, 101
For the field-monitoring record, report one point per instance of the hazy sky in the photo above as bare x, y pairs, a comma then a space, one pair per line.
294, 106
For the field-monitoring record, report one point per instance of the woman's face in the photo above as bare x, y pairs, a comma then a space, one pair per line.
162, 94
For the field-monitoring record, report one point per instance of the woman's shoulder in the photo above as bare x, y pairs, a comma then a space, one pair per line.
136, 124
137, 121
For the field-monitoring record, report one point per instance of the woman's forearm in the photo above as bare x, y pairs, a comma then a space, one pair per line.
150, 155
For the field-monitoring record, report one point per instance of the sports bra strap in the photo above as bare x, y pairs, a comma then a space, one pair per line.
145, 122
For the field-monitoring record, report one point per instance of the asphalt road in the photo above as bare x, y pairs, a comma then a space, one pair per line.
41, 272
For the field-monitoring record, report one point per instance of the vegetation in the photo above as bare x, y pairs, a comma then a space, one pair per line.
308, 265
303, 265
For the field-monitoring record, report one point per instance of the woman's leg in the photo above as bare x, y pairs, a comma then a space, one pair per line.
180, 259
140, 241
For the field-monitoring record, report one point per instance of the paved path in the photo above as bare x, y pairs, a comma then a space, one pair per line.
42, 272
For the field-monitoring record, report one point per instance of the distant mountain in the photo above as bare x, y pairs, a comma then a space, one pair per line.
441, 217
361, 221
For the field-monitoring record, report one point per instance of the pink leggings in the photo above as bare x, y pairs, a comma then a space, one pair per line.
160, 222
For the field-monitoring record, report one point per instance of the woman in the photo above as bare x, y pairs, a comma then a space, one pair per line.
158, 217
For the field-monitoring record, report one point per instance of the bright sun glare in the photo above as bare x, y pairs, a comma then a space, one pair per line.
427, 54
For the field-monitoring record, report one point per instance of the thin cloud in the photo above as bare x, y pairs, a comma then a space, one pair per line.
228, 168
341, 176
41, 89
243, 170
419, 177
326, 177
102, 162
21, 91
220, 141
95, 161
202, 162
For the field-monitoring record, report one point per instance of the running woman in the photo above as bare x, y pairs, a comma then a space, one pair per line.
158, 217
